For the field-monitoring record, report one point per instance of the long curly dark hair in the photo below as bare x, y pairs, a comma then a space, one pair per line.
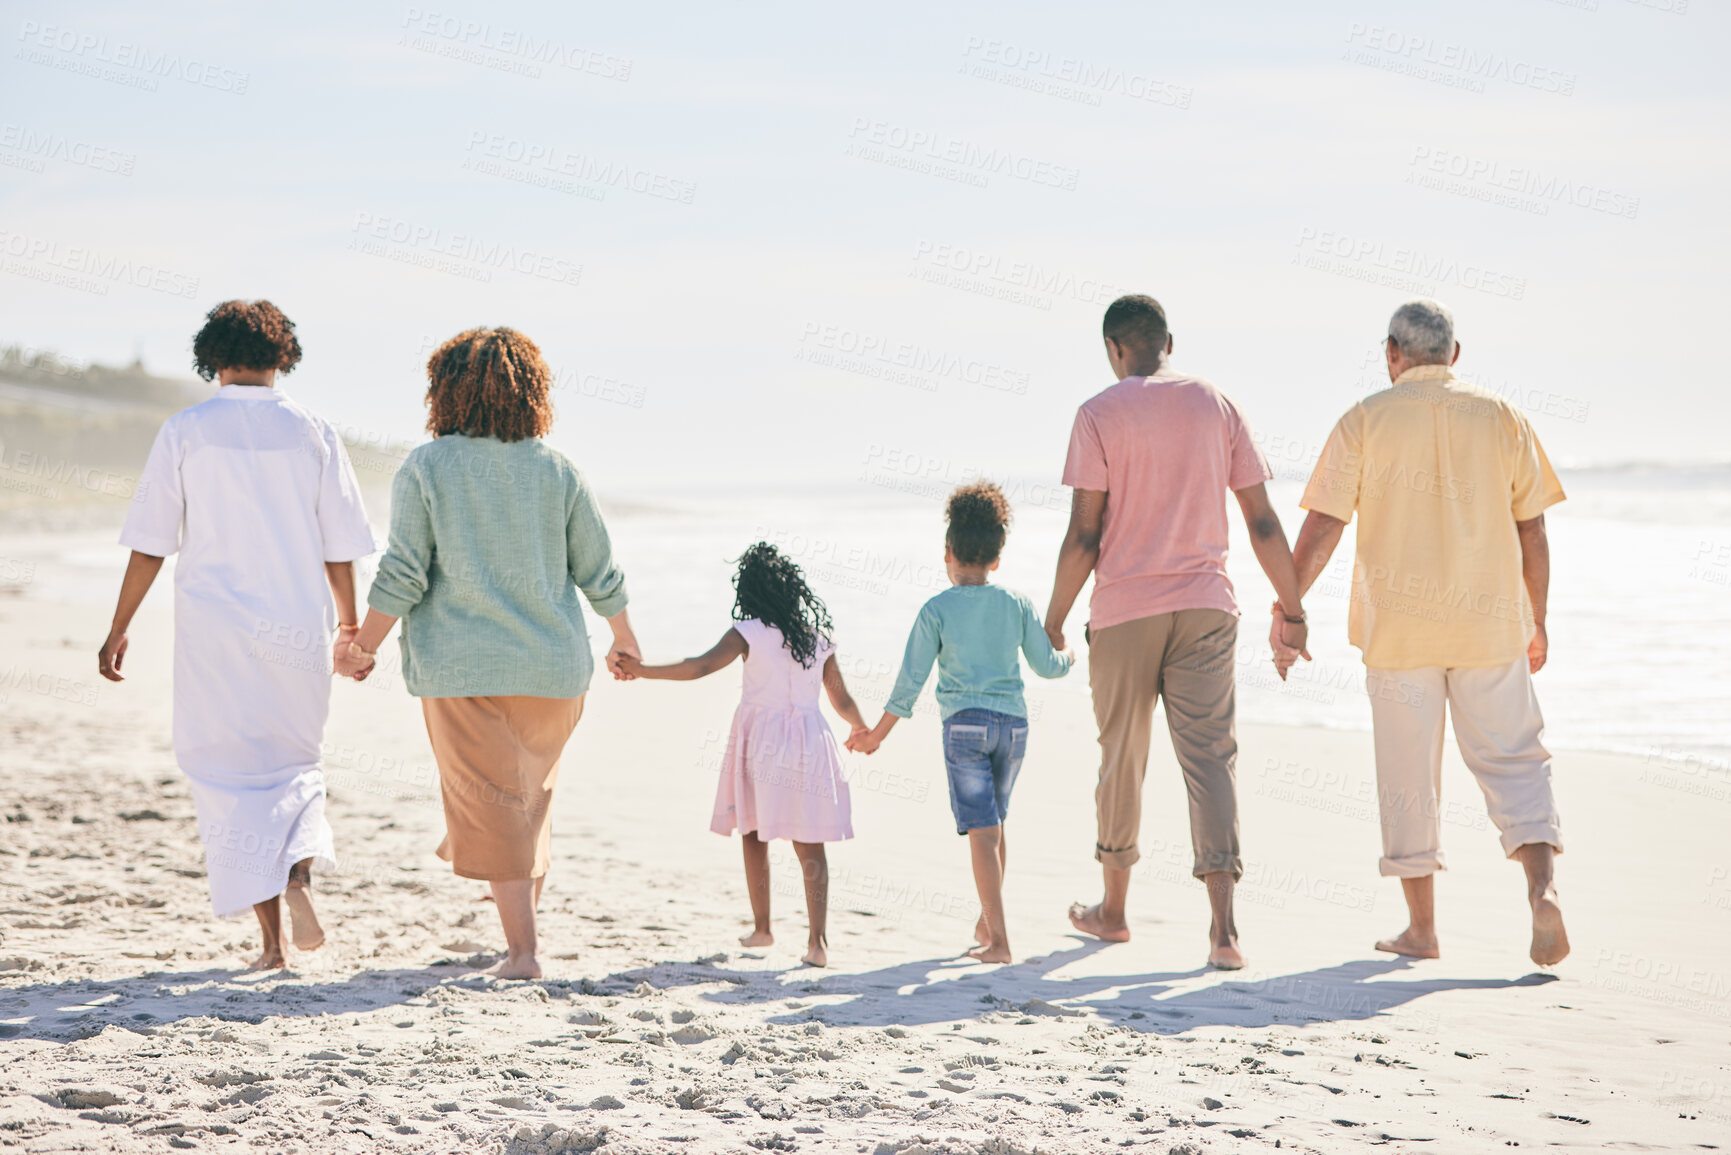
770, 588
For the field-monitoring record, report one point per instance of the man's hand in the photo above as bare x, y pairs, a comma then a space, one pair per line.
348, 660
1538, 649
1055, 635
112, 653
1287, 640
863, 740
340, 649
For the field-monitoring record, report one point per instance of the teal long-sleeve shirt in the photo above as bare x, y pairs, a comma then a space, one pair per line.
973, 633
490, 543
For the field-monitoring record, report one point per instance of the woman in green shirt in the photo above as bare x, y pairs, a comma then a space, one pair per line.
493, 533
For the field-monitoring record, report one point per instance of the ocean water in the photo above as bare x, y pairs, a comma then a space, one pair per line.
1640, 614
1640, 619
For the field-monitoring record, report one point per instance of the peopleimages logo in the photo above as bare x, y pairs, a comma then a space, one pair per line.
1433, 167
580, 167
85, 268
1399, 266
41, 146
462, 254
1065, 77
95, 55
513, 49
1445, 62
880, 140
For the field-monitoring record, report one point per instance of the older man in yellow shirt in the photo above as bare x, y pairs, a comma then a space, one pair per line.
1450, 486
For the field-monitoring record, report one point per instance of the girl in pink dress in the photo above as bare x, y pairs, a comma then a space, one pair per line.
781, 776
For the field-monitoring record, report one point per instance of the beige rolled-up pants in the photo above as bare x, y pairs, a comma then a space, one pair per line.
1499, 729
1185, 657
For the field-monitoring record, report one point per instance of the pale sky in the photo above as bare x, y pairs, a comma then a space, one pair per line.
771, 243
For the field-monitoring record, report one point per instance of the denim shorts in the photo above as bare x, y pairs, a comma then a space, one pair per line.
983, 753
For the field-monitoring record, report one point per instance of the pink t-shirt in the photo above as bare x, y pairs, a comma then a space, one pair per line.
1165, 449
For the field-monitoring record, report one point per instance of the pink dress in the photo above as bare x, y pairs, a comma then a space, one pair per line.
781, 775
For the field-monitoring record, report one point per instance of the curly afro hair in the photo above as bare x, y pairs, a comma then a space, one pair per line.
489, 383
769, 587
245, 335
979, 518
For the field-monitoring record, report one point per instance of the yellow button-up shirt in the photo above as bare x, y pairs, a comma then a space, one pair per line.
1438, 472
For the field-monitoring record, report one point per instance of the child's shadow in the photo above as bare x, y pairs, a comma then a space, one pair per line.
920, 992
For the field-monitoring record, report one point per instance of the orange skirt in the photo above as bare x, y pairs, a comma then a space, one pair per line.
498, 762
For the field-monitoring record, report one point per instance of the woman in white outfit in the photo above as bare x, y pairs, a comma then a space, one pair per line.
258, 497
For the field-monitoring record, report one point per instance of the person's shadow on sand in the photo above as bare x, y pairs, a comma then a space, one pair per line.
906, 994
919, 992
79, 1008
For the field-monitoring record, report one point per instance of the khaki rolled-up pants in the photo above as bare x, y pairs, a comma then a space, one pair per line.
1185, 657
498, 764
1499, 730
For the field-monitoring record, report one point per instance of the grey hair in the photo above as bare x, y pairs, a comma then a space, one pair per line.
1425, 332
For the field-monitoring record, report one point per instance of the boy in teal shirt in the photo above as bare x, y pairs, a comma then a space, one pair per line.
973, 631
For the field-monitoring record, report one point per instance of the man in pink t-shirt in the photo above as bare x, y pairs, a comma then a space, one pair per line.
1151, 461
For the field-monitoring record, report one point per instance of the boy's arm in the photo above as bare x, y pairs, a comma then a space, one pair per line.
868, 741
141, 571
1043, 659
1076, 558
917, 659
719, 656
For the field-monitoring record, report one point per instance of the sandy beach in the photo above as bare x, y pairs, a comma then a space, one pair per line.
127, 1023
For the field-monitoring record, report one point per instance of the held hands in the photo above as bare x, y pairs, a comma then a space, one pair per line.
1288, 640
864, 740
625, 648
348, 660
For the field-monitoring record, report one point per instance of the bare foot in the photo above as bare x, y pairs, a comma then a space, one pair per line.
515, 967
271, 960
816, 955
757, 938
1089, 920
1550, 940
991, 953
303, 920
1411, 944
981, 934
1226, 957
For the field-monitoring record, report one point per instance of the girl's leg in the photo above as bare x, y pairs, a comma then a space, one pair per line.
515, 899
757, 886
814, 864
303, 920
270, 929
986, 844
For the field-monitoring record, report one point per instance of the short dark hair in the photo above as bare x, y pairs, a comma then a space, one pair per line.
489, 383
245, 335
1137, 322
979, 517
